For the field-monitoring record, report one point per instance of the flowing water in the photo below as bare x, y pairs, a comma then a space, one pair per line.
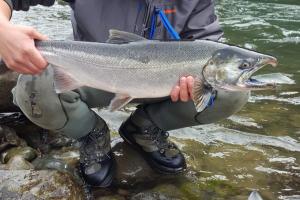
256, 149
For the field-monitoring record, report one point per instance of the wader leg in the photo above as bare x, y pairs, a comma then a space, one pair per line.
67, 113
168, 115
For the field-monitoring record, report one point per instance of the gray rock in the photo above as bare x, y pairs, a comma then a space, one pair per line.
27, 153
33, 185
18, 163
9, 138
131, 167
50, 163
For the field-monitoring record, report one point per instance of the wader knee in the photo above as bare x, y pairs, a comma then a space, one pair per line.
169, 115
65, 113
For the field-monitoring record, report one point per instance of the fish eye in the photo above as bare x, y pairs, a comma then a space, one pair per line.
211, 62
244, 65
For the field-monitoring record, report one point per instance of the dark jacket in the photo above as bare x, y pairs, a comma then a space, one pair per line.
91, 19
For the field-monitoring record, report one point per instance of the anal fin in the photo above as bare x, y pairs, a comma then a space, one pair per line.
119, 101
63, 81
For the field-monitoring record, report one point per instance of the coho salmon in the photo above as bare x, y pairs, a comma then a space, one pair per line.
134, 67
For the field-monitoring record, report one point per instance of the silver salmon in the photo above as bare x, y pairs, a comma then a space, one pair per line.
133, 67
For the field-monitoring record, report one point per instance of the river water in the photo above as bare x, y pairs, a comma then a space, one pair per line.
256, 149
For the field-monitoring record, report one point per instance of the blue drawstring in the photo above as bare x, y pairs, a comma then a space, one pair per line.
166, 23
174, 35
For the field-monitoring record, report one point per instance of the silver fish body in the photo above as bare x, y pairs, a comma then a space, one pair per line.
145, 69
133, 67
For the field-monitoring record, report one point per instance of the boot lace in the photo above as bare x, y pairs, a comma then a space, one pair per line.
94, 147
160, 137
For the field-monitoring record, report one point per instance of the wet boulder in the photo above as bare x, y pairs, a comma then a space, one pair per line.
9, 138
45, 184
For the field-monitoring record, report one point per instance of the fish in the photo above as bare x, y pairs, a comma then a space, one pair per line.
134, 67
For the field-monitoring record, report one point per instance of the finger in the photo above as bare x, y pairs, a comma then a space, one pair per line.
35, 34
22, 70
183, 90
17, 67
190, 84
175, 93
37, 59
27, 65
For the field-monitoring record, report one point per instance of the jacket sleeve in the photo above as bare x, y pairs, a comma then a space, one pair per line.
202, 23
25, 4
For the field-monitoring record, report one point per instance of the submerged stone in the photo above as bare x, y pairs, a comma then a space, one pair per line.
9, 138
18, 163
49, 162
34, 185
27, 153
68, 155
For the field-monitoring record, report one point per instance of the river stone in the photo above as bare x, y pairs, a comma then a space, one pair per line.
69, 155
9, 138
131, 166
18, 163
34, 185
27, 153
50, 163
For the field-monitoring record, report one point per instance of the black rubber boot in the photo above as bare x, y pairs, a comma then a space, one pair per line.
96, 159
161, 154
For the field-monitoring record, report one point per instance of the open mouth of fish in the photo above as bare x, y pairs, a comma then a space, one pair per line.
247, 82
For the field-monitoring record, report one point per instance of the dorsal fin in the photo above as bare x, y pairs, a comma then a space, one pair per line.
122, 37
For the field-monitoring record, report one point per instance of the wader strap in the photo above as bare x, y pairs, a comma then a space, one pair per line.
175, 35
166, 23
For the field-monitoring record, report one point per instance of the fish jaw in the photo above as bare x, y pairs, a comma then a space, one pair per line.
245, 82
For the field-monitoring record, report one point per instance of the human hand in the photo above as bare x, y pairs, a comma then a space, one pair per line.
184, 90
18, 51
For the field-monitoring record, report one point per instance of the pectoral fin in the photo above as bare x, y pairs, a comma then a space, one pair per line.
64, 82
119, 101
201, 94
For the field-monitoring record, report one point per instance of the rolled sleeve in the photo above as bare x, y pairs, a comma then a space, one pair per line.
203, 23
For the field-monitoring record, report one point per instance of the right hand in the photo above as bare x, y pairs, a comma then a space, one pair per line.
18, 51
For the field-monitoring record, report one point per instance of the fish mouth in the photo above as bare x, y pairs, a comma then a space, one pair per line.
246, 82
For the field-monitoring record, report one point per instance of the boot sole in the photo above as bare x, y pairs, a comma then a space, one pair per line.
158, 168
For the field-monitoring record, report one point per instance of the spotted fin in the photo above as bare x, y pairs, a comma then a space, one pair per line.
122, 37
201, 94
119, 101
64, 82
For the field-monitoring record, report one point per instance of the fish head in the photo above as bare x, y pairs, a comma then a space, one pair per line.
231, 68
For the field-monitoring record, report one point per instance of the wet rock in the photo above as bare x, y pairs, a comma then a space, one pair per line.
150, 196
131, 167
27, 153
59, 140
48, 162
9, 138
18, 163
45, 184
69, 155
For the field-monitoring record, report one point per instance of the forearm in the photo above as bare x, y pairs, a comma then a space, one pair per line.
5, 12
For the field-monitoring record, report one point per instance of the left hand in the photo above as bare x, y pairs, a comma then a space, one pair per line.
184, 90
